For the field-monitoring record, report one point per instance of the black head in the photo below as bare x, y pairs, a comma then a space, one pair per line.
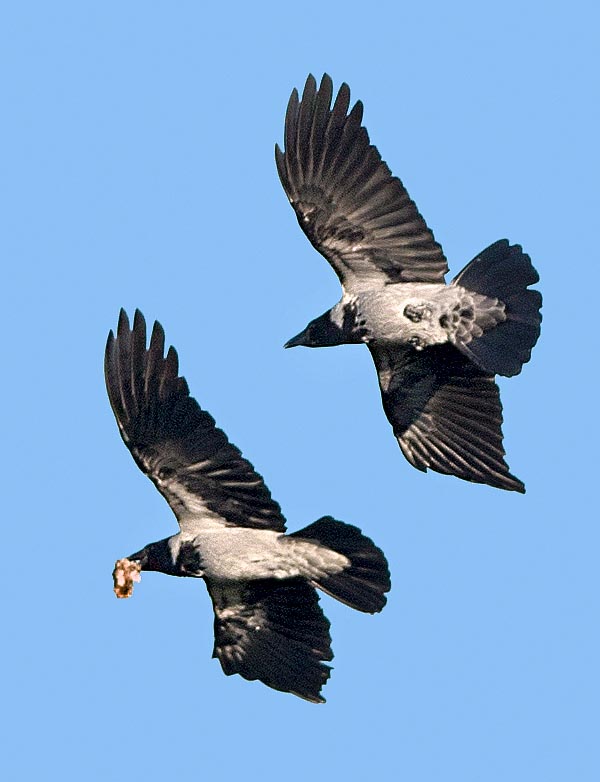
172, 556
156, 556
335, 327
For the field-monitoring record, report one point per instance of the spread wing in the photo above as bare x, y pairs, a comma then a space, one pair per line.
445, 412
176, 443
274, 631
347, 202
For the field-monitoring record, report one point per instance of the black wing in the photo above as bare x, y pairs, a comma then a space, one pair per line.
445, 412
176, 443
347, 202
274, 631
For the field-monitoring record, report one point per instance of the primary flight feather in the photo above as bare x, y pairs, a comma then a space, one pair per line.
268, 623
436, 347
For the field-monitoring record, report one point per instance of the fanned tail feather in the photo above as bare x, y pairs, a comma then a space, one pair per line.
363, 584
504, 272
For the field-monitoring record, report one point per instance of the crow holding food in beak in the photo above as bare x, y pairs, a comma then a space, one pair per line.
262, 582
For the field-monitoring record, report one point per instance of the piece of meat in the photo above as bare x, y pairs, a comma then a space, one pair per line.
125, 575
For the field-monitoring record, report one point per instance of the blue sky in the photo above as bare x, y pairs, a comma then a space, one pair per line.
136, 170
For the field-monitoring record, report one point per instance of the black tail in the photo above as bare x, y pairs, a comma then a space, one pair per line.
503, 272
364, 582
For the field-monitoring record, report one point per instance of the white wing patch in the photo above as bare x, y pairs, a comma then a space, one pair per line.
192, 512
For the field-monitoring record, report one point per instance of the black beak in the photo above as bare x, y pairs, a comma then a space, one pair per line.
141, 557
294, 342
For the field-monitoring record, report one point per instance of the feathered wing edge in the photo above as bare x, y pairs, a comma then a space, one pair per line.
446, 414
351, 207
273, 631
139, 381
174, 441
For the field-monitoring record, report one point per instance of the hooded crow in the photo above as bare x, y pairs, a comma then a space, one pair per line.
436, 347
268, 622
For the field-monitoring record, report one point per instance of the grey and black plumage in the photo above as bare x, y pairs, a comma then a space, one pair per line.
268, 622
436, 347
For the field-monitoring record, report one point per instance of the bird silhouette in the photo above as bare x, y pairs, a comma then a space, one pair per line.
268, 623
436, 346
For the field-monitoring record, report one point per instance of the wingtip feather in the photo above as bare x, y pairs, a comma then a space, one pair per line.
123, 325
